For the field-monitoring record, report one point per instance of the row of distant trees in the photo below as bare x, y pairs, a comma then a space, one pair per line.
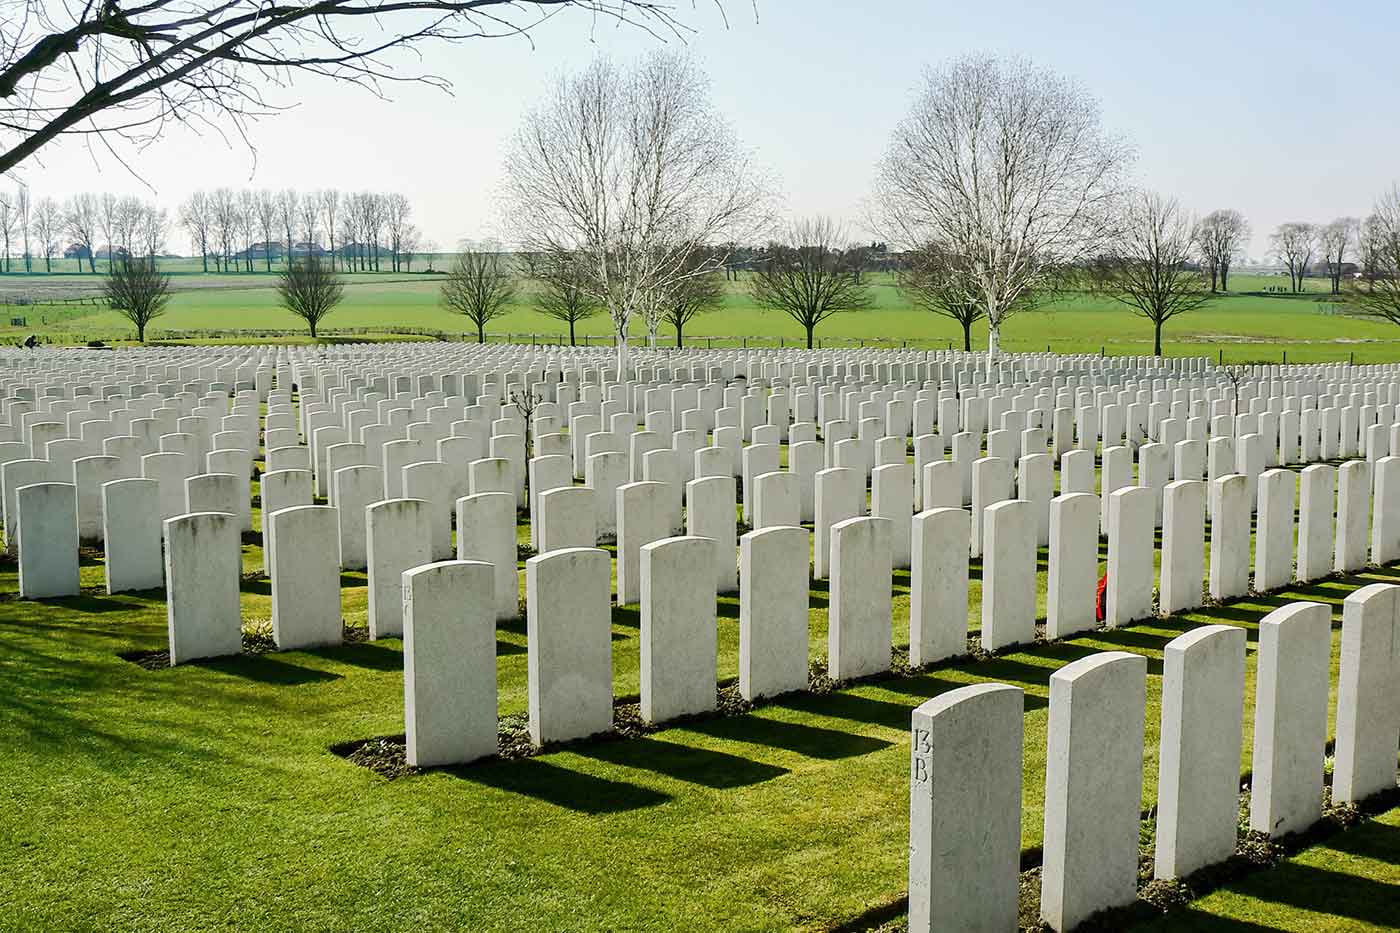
233, 231
40, 232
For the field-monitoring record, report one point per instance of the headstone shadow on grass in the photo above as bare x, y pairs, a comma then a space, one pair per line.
268, 669
703, 766
811, 741
563, 787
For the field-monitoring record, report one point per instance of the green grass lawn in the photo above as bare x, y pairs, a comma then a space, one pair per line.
1249, 324
207, 796
1350, 882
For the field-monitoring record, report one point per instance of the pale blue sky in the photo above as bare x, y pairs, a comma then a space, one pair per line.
1284, 110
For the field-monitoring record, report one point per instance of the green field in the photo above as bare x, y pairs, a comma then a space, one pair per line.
1249, 324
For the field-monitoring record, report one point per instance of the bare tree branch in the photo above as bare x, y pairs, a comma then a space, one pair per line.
127, 69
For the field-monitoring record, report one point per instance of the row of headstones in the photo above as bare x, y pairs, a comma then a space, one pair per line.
967, 749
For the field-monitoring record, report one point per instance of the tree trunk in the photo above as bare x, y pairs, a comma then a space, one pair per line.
993, 343
572, 341
140, 333
967, 336
313, 329
810, 329
1156, 338
621, 353
1224, 276
680, 341
481, 332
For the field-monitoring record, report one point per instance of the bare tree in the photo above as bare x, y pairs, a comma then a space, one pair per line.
691, 297
1381, 296
562, 292
936, 279
288, 212
48, 226
1371, 249
80, 226
197, 217
109, 221
1008, 166
126, 69
153, 228
266, 210
310, 289
630, 173
1146, 267
479, 286
1221, 238
129, 210
23, 211
137, 291
7, 227
330, 207
1333, 241
1293, 244
411, 240
224, 208
396, 213
310, 220
807, 278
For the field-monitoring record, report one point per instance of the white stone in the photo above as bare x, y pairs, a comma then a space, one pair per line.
1128, 596
1183, 545
938, 585
48, 553
569, 644
1008, 576
1273, 538
305, 577
1199, 749
1316, 532
486, 532
840, 495
679, 639
606, 473
1353, 515
131, 535
711, 513
1093, 787
965, 810
1290, 718
892, 498
203, 565
449, 663
89, 475
1368, 694
355, 488
773, 627
1035, 484
1073, 576
859, 636
1385, 522
566, 518
397, 539
776, 500
991, 483
1229, 537
431, 481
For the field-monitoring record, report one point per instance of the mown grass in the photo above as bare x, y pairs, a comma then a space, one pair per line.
207, 795
1248, 324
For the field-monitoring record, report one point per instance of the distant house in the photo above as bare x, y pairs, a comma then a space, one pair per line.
362, 249
76, 251
262, 251
112, 252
